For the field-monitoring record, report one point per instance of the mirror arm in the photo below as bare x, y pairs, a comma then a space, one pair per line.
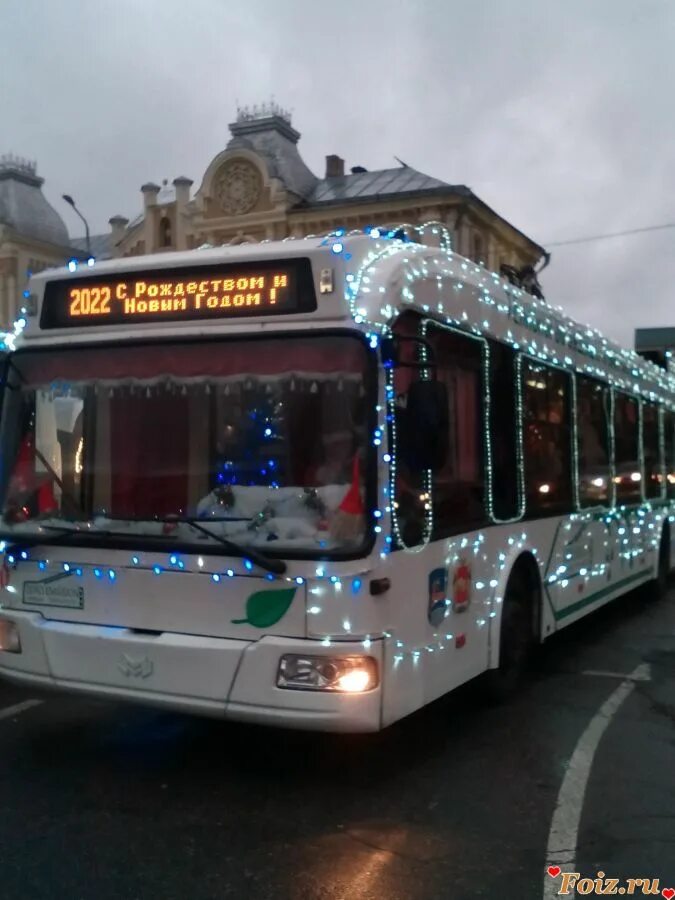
394, 363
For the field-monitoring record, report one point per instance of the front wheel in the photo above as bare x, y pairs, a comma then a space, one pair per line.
516, 642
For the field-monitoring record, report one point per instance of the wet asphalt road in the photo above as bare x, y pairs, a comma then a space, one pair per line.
109, 801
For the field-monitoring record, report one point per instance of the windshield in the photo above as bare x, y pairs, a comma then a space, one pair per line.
262, 441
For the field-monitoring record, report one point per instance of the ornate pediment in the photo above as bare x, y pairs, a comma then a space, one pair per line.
237, 186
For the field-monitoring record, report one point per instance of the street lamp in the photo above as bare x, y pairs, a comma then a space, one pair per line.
70, 200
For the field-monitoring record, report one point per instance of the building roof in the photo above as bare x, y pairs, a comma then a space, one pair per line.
654, 338
377, 185
272, 137
100, 244
23, 206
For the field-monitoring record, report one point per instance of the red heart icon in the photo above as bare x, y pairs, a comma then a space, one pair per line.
553, 871
668, 893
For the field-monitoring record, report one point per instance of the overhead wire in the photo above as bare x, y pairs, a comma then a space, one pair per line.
614, 234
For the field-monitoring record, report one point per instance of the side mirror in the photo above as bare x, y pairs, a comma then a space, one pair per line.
426, 439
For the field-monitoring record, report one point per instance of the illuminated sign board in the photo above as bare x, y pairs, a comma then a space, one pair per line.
223, 291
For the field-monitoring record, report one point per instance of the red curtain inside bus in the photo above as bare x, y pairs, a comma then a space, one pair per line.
148, 455
205, 360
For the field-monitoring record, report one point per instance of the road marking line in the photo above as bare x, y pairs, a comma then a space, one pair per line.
564, 833
10, 711
624, 676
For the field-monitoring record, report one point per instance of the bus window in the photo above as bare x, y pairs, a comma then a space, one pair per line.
546, 439
265, 438
459, 487
628, 477
669, 443
651, 451
503, 434
593, 437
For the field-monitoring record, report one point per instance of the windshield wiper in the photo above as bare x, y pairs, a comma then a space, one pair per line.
16, 544
275, 566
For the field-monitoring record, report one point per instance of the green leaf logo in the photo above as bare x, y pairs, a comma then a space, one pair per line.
265, 608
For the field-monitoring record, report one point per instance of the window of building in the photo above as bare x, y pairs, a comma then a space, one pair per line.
477, 248
593, 409
459, 487
628, 477
165, 233
503, 432
546, 439
651, 451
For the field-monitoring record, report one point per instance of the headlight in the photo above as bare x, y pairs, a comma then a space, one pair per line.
345, 674
9, 637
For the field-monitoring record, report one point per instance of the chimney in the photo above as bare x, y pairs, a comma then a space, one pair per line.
182, 186
335, 167
150, 192
118, 227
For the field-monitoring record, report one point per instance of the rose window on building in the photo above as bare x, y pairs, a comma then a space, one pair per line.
238, 186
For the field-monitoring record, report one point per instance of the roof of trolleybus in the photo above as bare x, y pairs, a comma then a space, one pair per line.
363, 279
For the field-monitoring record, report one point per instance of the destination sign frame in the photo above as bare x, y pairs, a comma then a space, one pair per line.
219, 291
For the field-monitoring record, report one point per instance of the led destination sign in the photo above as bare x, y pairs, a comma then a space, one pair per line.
218, 292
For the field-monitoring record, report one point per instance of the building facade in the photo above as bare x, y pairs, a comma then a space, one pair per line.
259, 188
33, 235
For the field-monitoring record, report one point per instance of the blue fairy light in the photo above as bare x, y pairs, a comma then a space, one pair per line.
111, 574
215, 577
248, 564
157, 570
97, 573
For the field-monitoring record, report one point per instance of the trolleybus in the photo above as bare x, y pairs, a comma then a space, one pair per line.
315, 483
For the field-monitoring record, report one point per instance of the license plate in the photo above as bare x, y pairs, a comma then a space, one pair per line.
46, 593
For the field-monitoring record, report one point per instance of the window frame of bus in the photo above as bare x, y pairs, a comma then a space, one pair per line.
669, 451
566, 504
162, 545
582, 380
447, 529
54, 312
629, 500
659, 468
511, 509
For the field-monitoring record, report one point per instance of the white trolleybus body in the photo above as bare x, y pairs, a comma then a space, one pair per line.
315, 483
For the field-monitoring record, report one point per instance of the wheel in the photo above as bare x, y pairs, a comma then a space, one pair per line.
516, 642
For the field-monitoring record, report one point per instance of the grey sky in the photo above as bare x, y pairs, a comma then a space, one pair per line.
557, 113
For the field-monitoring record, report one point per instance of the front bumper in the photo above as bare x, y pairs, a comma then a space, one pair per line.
219, 677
